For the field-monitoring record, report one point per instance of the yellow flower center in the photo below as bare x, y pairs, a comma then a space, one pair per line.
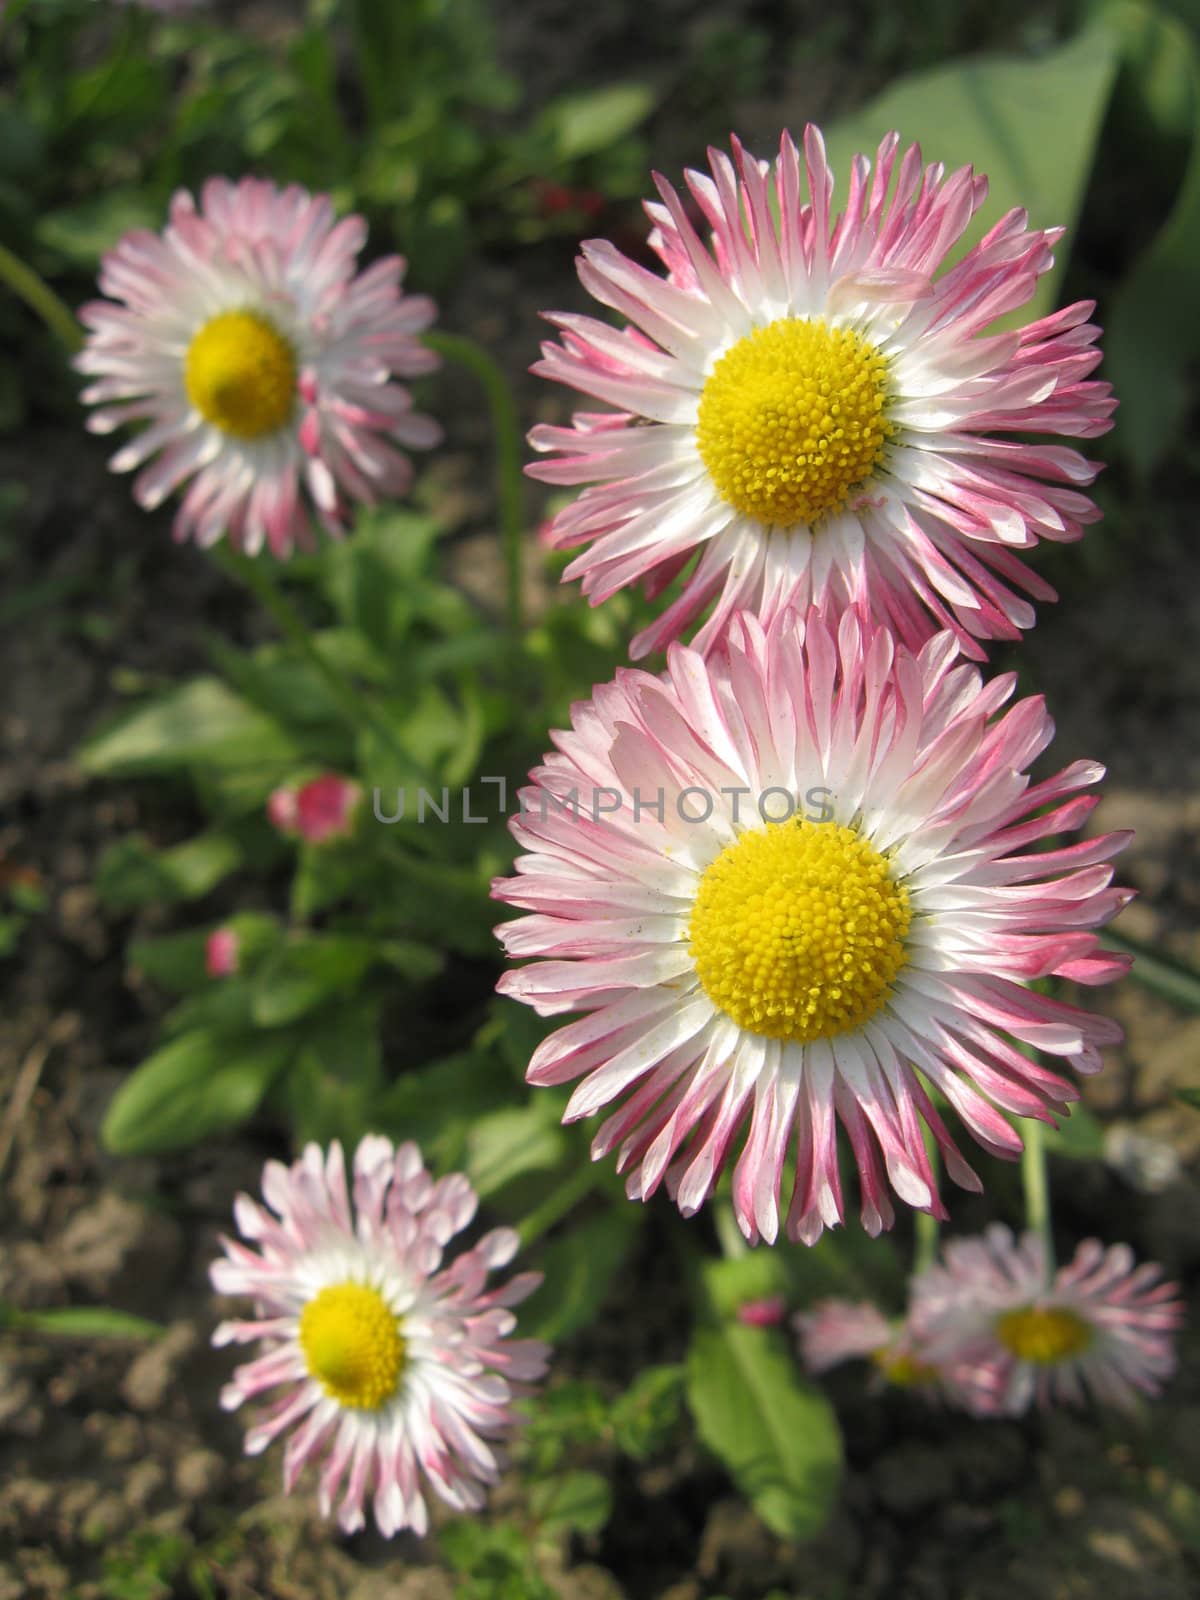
792, 419
240, 374
352, 1344
902, 1369
798, 931
1043, 1334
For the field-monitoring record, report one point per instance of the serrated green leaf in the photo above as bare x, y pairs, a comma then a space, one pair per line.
777, 1436
196, 1085
1190, 1097
573, 1502
645, 1415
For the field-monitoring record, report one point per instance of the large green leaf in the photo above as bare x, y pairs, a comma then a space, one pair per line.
202, 722
777, 1436
1154, 321
594, 119
197, 1084
1030, 125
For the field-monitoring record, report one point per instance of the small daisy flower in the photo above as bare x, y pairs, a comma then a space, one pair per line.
835, 1331
815, 411
1100, 1328
394, 1367
259, 364
792, 887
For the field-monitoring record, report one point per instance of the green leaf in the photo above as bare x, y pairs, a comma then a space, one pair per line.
579, 1269
1190, 1097
202, 722
508, 1143
305, 973
132, 873
777, 1436
1030, 125
1158, 972
177, 960
196, 1085
82, 1322
581, 124
574, 1502
84, 231
647, 1413
1080, 1136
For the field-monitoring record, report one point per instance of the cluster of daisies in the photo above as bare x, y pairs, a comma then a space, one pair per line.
818, 448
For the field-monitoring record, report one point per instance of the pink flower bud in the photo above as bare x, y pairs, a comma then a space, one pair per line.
762, 1313
282, 811
221, 953
325, 808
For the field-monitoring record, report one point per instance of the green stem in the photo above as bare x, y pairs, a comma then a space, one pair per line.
729, 1235
509, 447
558, 1203
1035, 1180
926, 1228
40, 297
258, 578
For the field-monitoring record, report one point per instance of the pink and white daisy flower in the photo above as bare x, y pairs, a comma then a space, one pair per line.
816, 414
398, 1369
259, 363
1100, 1327
791, 887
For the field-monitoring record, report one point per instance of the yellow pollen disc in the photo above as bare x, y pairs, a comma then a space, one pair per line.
903, 1370
352, 1344
797, 931
240, 374
792, 419
1043, 1334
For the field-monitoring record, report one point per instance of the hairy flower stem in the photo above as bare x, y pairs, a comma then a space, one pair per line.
510, 480
40, 297
1035, 1180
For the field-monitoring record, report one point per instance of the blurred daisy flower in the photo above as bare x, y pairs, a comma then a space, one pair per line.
814, 413
259, 365
395, 1368
1101, 1328
790, 887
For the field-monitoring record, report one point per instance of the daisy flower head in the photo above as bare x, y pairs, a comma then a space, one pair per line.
813, 412
791, 886
1101, 1327
394, 1366
259, 364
